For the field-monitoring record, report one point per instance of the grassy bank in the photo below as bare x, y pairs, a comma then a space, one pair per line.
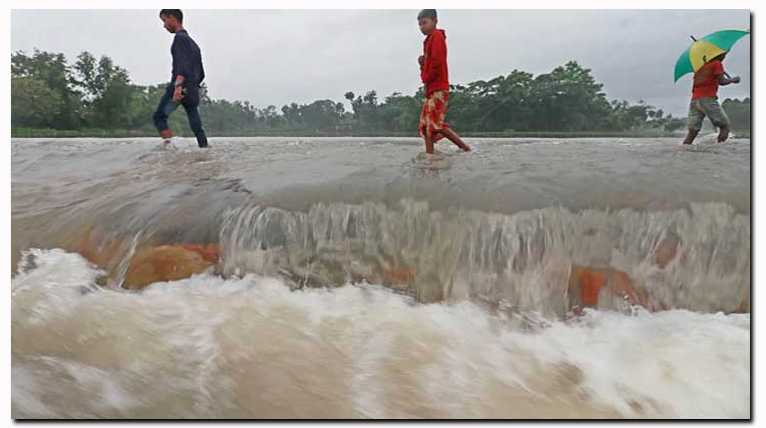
127, 133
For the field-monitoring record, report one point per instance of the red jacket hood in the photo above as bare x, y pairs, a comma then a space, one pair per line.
438, 30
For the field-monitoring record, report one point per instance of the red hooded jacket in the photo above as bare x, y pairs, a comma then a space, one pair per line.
433, 72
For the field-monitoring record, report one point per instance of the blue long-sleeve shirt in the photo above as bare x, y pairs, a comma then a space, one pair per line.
187, 59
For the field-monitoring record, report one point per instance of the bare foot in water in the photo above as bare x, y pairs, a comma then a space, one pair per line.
450, 134
723, 134
461, 144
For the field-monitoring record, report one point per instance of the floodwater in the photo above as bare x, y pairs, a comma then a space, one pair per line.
307, 315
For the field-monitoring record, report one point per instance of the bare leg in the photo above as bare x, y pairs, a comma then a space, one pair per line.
450, 135
429, 143
690, 136
723, 134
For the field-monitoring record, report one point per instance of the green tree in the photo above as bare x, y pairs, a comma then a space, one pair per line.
568, 99
33, 103
739, 113
47, 92
53, 70
107, 90
322, 115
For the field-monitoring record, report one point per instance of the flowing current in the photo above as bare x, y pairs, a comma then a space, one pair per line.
359, 279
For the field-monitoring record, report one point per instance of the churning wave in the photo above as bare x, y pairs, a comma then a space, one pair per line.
251, 347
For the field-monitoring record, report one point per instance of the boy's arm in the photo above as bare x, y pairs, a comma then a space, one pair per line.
182, 58
723, 80
178, 93
722, 77
201, 71
436, 59
182, 64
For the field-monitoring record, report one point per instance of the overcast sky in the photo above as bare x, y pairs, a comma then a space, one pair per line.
280, 56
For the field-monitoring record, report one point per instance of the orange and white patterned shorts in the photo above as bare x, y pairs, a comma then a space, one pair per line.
432, 116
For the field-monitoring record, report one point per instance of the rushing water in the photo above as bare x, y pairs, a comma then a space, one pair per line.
361, 279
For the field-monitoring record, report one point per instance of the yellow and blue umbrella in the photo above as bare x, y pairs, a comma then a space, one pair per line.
705, 49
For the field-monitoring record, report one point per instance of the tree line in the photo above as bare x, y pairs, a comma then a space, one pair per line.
49, 92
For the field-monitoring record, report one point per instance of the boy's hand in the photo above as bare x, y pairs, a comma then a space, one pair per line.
178, 95
421, 58
735, 79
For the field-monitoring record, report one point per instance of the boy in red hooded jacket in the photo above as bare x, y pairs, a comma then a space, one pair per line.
433, 73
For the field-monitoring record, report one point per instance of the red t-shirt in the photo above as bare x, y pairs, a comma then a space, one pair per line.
706, 80
434, 72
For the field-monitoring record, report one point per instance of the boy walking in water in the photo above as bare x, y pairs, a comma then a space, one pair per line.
185, 80
705, 99
433, 73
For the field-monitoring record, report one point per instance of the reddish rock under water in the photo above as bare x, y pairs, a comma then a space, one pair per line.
399, 276
209, 252
182, 260
164, 263
666, 251
586, 283
148, 265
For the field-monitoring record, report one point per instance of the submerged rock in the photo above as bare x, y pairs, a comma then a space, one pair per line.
666, 251
164, 263
399, 276
586, 284
209, 252
105, 254
148, 265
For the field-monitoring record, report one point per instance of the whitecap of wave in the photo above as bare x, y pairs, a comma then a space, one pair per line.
209, 347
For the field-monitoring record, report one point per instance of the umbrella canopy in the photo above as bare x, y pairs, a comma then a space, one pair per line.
705, 49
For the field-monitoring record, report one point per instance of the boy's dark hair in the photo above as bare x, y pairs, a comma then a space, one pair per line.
427, 13
175, 13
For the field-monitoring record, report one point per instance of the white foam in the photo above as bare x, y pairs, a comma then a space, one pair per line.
250, 347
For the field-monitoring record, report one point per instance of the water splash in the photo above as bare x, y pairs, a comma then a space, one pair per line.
210, 347
521, 260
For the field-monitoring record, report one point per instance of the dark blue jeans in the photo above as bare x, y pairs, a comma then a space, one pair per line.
191, 105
